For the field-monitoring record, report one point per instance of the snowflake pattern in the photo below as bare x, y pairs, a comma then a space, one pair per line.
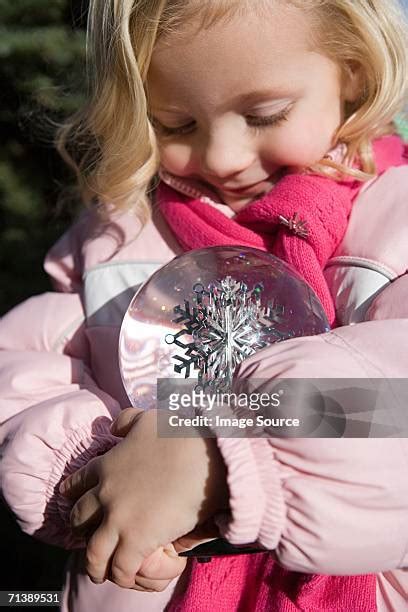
227, 324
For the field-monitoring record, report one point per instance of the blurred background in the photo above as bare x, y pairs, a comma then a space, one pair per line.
42, 52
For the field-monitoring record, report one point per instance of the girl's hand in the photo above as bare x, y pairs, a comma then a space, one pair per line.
144, 492
203, 533
161, 567
158, 570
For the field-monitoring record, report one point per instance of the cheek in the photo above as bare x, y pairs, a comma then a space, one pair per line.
175, 158
303, 143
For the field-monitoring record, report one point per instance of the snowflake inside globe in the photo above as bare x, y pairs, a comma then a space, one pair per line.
206, 311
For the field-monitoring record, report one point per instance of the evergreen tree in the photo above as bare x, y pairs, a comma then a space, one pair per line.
42, 54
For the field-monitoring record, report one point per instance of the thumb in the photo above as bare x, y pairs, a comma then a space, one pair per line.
202, 533
163, 564
125, 421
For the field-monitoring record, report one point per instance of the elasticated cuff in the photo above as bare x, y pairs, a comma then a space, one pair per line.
257, 507
274, 516
82, 445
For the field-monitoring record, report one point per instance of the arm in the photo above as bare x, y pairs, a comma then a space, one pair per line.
332, 506
335, 506
53, 416
326, 506
392, 303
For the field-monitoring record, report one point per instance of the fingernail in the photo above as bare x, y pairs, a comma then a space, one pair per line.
113, 428
62, 487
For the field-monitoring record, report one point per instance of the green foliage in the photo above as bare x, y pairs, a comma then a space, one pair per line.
42, 53
41, 71
402, 125
26, 12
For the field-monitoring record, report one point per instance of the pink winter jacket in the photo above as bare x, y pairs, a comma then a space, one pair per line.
326, 506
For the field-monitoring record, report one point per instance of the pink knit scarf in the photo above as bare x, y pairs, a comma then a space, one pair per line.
302, 220
255, 582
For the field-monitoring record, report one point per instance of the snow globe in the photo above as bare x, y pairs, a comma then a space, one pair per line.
204, 312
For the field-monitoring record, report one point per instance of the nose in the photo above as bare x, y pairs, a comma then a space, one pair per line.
227, 153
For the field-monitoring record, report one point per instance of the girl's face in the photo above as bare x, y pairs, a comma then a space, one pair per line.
235, 105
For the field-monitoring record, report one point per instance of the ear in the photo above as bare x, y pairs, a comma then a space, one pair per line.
352, 81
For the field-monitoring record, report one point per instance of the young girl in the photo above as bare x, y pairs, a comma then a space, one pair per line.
260, 119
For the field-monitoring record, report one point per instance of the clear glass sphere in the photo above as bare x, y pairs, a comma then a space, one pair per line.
220, 303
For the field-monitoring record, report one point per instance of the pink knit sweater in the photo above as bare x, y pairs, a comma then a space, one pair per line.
255, 582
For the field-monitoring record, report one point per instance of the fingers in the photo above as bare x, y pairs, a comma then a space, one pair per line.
126, 562
150, 586
187, 543
126, 567
157, 570
125, 421
202, 533
87, 513
163, 564
99, 552
81, 481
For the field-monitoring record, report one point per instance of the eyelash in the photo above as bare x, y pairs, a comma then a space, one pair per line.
256, 122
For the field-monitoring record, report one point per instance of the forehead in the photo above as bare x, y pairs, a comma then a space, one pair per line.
232, 54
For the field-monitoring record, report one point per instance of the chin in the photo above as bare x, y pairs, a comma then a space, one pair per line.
238, 204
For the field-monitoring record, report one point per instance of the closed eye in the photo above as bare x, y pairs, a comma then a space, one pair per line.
268, 120
165, 130
254, 121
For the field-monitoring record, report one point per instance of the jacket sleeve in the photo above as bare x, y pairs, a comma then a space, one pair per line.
54, 418
392, 302
325, 505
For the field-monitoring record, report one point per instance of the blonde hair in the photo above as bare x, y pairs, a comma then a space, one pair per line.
110, 142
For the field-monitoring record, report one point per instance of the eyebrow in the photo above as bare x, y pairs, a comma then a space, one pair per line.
261, 95
241, 99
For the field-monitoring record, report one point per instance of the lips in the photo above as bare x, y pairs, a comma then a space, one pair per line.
242, 189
